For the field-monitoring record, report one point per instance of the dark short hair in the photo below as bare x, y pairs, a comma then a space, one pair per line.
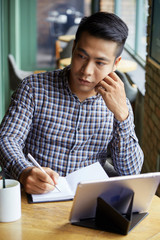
107, 26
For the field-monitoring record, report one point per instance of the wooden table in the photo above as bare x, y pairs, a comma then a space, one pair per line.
66, 38
123, 66
45, 221
126, 65
64, 62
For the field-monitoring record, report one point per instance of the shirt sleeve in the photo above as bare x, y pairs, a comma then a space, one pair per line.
126, 152
14, 129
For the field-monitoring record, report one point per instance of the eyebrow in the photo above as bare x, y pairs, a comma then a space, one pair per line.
97, 58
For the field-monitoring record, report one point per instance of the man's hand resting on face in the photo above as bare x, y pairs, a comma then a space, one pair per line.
112, 90
36, 182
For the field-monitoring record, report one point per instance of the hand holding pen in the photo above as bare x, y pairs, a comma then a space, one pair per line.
36, 181
37, 165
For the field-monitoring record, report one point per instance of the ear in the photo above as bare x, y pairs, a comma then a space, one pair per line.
118, 59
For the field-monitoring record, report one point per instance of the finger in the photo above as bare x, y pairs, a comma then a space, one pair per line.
43, 187
116, 79
34, 181
43, 177
53, 175
38, 182
38, 189
105, 85
111, 79
101, 91
114, 76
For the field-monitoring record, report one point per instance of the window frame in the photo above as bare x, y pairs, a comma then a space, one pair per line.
138, 26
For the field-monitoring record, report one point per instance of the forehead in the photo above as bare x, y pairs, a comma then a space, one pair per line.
97, 45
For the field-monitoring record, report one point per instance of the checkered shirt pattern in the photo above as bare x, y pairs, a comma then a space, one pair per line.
48, 121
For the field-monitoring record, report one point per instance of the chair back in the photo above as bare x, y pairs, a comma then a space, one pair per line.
16, 75
131, 90
67, 51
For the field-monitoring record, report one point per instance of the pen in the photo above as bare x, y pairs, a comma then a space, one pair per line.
37, 165
4, 184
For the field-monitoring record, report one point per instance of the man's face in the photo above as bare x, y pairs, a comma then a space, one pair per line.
92, 60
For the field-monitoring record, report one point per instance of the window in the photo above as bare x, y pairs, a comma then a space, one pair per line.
134, 13
54, 18
128, 14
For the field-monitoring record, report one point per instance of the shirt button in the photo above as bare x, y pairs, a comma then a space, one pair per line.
79, 128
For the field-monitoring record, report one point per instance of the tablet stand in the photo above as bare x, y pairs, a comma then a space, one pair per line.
108, 218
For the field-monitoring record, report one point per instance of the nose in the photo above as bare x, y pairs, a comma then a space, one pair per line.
87, 68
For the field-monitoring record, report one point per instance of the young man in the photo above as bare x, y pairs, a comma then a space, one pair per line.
67, 119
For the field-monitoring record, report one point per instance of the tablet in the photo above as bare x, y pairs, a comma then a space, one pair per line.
116, 191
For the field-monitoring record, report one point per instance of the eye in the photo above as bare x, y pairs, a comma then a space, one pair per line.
81, 56
101, 63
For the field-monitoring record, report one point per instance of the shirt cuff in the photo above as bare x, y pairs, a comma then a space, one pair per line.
19, 167
125, 129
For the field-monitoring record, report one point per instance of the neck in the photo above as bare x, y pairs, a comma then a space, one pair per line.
82, 96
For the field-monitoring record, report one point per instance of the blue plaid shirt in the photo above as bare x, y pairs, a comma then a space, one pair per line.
47, 120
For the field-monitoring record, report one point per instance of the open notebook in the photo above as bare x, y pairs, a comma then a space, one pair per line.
67, 185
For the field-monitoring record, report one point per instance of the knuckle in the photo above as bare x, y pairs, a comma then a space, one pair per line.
57, 174
27, 187
44, 187
122, 84
33, 170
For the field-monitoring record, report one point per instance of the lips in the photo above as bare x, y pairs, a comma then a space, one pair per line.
83, 81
